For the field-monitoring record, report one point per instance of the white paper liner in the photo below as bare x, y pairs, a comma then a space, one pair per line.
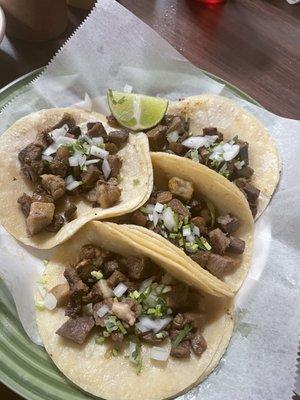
113, 48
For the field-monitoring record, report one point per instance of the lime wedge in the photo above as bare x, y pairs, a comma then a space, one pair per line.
136, 111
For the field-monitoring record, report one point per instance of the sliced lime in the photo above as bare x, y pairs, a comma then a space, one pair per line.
136, 111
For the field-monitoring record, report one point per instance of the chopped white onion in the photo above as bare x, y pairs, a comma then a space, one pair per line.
69, 179
102, 311
98, 152
167, 289
223, 168
86, 138
232, 152
146, 283
42, 290
151, 300
173, 136
74, 160
120, 289
59, 132
146, 324
168, 218
73, 185
160, 353
159, 207
190, 238
239, 164
127, 88
194, 142
47, 158
97, 140
50, 301
65, 140
186, 231
51, 149
196, 230
106, 168
210, 140
89, 162
155, 218
150, 217
150, 208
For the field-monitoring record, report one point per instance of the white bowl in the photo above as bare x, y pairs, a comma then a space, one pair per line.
2, 24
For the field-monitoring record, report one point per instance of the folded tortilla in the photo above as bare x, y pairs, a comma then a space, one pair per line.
136, 167
230, 119
226, 200
114, 378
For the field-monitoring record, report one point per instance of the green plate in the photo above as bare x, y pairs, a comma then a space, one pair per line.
25, 367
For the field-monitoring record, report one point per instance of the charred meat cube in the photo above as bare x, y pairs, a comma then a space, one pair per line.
101, 320
40, 215
111, 120
56, 224
178, 321
212, 132
77, 329
75, 131
197, 320
177, 148
94, 295
179, 208
108, 195
177, 297
25, 203
199, 344
195, 207
41, 195
164, 197
243, 153
60, 164
77, 290
61, 293
134, 305
236, 245
157, 138
137, 267
43, 139
90, 176
116, 278
115, 164
252, 192
84, 269
176, 123
117, 337
111, 148
93, 253
253, 208
110, 267
31, 161
138, 218
220, 265
70, 211
244, 172
204, 154
200, 223
119, 138
66, 119
219, 241
54, 185
151, 338
228, 223
183, 350
200, 257
96, 129
181, 188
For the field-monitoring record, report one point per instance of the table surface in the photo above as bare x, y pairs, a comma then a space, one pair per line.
252, 44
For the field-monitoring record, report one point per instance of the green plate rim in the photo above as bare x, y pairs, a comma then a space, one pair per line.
7, 93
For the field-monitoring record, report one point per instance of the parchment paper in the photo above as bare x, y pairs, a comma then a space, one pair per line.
111, 49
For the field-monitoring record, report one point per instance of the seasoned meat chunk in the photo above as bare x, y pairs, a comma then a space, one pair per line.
157, 137
31, 161
151, 338
183, 350
253, 208
75, 131
40, 215
197, 320
110, 267
25, 203
116, 278
243, 153
220, 265
90, 177
84, 269
178, 321
200, 257
117, 337
77, 290
181, 188
119, 138
177, 148
211, 131
43, 139
96, 129
164, 197
228, 223
56, 224
179, 208
94, 295
199, 344
236, 245
252, 192
200, 223
219, 241
134, 305
244, 172
71, 276
176, 124
60, 164
41, 195
115, 164
195, 207
70, 211
61, 293
138, 267
177, 297
138, 218
111, 148
54, 185
93, 253
76, 329
111, 120
108, 195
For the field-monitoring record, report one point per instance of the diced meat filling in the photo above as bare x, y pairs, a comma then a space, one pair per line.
77, 329
54, 172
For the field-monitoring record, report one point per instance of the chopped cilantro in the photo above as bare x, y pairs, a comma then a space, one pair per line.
45, 262
115, 351
212, 212
40, 305
181, 335
119, 178
99, 340
136, 182
121, 327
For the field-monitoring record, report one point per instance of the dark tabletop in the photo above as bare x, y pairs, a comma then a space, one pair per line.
252, 44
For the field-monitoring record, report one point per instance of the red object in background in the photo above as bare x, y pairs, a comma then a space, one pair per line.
212, 1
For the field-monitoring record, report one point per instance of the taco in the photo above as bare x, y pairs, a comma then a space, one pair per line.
195, 216
123, 323
216, 132
65, 167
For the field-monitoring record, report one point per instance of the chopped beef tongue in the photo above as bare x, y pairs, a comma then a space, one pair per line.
219, 241
157, 138
56, 224
70, 211
138, 218
40, 216
119, 138
183, 350
199, 344
77, 329
228, 223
